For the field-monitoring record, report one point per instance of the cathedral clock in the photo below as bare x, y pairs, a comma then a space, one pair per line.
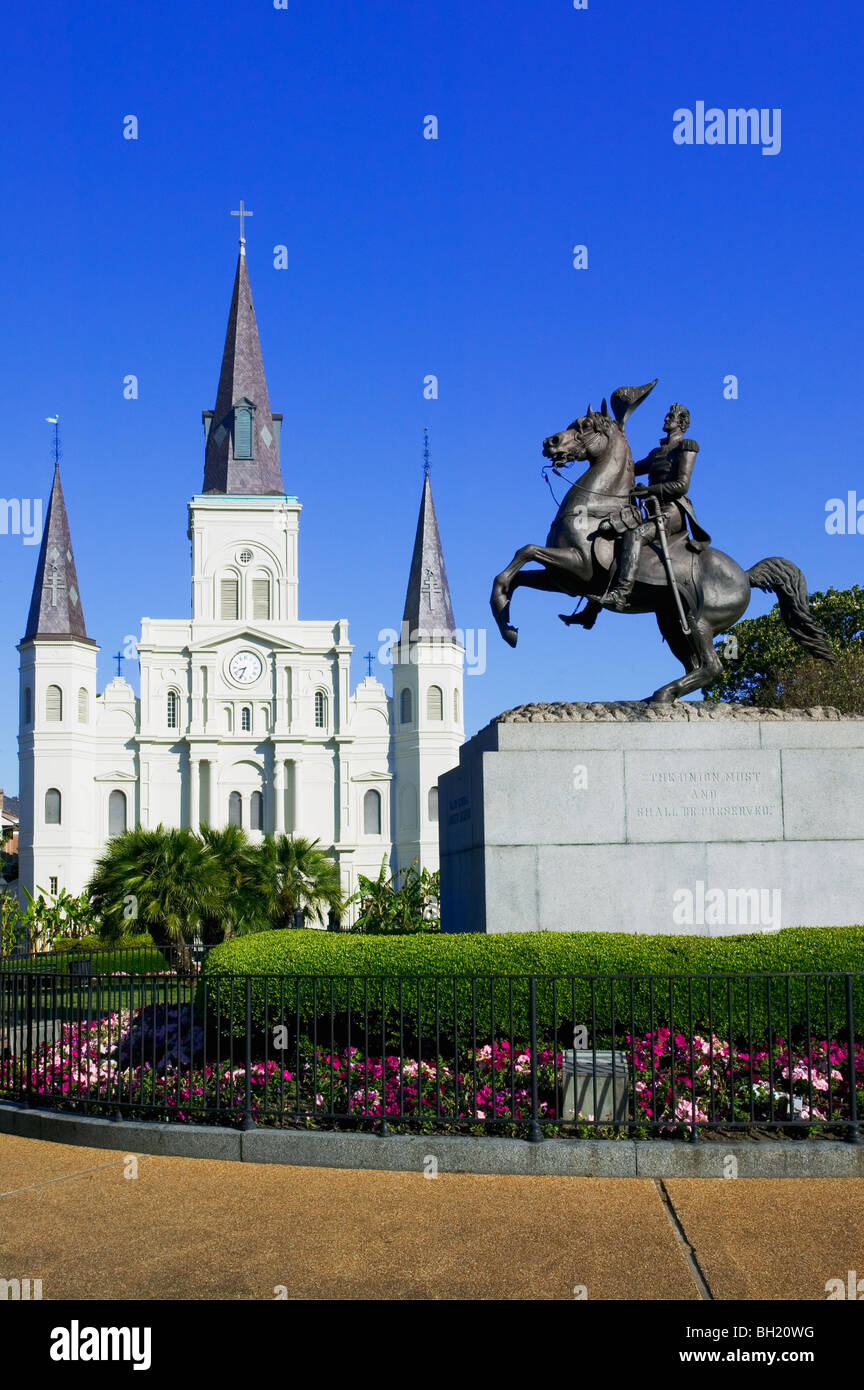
245, 667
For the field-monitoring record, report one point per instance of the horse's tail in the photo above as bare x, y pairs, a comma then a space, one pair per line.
781, 577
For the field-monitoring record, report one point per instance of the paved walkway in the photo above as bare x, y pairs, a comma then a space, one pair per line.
199, 1229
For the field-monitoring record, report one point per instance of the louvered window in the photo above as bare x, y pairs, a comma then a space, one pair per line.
242, 433
261, 598
230, 599
405, 713
235, 809
256, 812
54, 704
434, 703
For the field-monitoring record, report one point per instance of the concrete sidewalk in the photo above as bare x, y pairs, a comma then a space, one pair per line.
204, 1229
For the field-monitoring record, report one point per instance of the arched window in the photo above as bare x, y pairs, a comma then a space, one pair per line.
117, 814
229, 599
243, 431
320, 710
433, 803
434, 703
372, 812
406, 713
54, 704
261, 597
455, 706
245, 720
28, 705
172, 709
229, 719
83, 706
235, 809
256, 812
264, 716
53, 806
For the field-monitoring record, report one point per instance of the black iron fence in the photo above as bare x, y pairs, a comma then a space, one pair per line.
527, 1055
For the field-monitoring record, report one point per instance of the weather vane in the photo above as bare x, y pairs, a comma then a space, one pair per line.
242, 212
55, 421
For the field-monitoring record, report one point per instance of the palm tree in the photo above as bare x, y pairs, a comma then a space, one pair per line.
297, 876
165, 879
242, 906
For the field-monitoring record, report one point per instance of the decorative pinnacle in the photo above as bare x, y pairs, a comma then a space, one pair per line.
242, 212
426, 462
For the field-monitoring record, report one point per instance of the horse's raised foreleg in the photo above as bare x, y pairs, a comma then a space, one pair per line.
563, 570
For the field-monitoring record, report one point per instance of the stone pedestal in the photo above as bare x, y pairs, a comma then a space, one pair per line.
690, 818
589, 1092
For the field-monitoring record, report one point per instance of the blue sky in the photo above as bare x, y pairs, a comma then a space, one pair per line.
408, 256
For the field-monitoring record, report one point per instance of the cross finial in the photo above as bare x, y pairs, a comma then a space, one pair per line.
118, 657
55, 421
368, 658
426, 463
242, 212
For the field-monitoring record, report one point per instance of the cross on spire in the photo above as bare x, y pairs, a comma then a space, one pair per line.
368, 658
242, 212
118, 657
426, 463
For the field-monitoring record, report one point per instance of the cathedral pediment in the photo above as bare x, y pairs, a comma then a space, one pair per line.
115, 777
247, 634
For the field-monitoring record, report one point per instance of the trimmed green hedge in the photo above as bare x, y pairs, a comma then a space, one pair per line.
467, 997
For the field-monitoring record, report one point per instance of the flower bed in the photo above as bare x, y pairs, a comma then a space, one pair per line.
151, 1063
681, 1082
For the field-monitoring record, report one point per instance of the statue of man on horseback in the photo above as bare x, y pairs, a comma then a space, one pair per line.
661, 560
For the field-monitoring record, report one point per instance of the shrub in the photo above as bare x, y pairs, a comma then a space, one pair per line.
358, 971
407, 902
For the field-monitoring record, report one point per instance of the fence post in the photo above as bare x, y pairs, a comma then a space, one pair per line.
854, 1132
248, 1122
28, 1046
535, 1133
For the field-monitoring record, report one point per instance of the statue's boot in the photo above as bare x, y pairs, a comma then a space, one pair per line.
628, 566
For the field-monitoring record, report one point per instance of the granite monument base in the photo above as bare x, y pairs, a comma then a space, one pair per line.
686, 818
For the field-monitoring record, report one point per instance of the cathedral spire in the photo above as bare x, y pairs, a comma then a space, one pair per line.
55, 608
242, 452
427, 602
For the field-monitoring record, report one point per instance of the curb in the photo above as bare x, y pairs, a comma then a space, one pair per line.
403, 1153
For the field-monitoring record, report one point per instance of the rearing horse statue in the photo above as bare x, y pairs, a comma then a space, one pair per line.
579, 560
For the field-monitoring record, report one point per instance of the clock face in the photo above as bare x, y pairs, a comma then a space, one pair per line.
245, 667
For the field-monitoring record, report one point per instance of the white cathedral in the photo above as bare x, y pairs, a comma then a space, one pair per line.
246, 714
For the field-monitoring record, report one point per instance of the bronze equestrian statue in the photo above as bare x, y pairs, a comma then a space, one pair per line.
602, 546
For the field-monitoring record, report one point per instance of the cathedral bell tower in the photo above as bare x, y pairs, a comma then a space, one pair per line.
428, 664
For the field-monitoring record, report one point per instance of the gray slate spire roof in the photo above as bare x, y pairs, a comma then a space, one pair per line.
427, 603
55, 608
242, 379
